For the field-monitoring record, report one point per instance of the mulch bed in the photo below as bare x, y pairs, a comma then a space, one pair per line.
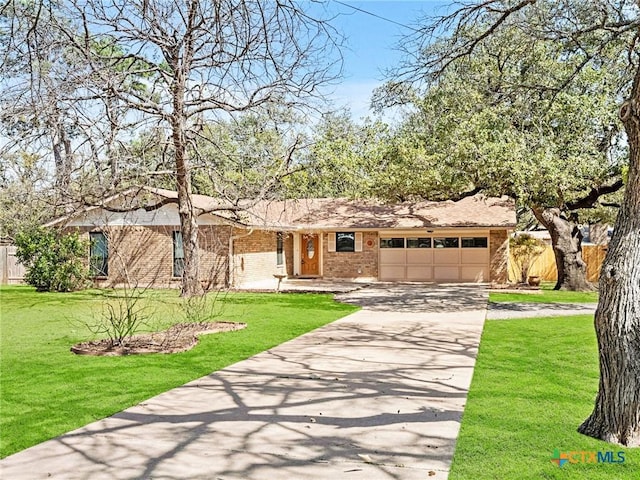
179, 338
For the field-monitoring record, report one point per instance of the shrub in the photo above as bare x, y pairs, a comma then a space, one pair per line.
123, 315
525, 249
54, 261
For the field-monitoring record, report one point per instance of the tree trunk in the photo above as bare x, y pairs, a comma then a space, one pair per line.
566, 240
111, 106
191, 285
61, 147
189, 226
616, 415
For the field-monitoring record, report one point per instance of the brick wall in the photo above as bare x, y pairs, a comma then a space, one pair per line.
143, 256
214, 254
498, 250
352, 264
288, 254
255, 258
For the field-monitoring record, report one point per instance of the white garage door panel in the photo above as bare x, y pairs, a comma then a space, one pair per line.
451, 273
446, 255
475, 256
422, 256
422, 272
475, 274
392, 256
392, 272
434, 264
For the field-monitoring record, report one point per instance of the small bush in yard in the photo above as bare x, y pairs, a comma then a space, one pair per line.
525, 249
54, 261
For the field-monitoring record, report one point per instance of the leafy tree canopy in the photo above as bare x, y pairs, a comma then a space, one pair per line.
485, 126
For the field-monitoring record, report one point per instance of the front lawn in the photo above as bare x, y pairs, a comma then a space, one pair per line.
534, 383
45, 390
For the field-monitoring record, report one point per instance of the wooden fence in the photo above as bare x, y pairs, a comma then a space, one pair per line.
11, 271
545, 265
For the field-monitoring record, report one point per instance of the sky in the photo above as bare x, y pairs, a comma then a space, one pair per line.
371, 44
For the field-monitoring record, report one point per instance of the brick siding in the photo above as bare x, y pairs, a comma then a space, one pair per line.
143, 256
498, 254
255, 256
352, 264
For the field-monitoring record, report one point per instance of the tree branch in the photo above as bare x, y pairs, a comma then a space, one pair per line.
470, 193
589, 200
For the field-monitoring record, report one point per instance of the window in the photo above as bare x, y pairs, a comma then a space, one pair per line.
397, 242
474, 242
178, 254
280, 248
345, 242
98, 254
448, 242
422, 242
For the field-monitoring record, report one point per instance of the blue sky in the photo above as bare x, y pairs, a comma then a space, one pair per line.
371, 44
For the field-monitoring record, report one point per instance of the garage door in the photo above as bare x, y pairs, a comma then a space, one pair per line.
434, 258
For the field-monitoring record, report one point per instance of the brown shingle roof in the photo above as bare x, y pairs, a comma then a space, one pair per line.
341, 213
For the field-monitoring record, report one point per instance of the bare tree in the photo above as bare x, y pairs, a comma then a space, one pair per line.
52, 105
177, 65
589, 33
205, 59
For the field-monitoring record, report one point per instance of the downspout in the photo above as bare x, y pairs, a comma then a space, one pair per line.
231, 262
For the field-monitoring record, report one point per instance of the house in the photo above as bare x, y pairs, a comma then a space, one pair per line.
135, 236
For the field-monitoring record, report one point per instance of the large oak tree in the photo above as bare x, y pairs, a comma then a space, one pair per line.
482, 126
588, 34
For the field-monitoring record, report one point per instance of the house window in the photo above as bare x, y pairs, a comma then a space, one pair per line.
474, 242
280, 248
397, 242
448, 242
178, 254
422, 242
98, 254
345, 242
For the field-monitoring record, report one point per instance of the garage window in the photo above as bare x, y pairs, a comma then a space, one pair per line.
447, 242
397, 242
474, 242
421, 242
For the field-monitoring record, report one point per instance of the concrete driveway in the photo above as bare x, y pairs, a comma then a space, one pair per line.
376, 395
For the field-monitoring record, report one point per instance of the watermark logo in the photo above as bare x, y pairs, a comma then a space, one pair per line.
582, 456
559, 458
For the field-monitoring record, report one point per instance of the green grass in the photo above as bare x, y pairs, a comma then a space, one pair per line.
548, 295
534, 383
45, 390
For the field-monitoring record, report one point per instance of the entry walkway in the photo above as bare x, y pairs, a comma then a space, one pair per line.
376, 395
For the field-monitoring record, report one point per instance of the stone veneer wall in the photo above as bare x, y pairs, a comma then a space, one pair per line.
352, 264
498, 255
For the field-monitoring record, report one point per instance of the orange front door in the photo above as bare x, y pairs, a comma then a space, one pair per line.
310, 254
